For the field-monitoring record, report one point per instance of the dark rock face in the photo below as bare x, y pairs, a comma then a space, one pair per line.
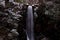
22, 25
46, 26
13, 18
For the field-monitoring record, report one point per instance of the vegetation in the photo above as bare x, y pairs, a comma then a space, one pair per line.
46, 20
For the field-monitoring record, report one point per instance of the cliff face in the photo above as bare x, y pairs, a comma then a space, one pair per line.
33, 1
28, 1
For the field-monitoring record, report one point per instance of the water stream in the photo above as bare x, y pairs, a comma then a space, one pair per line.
30, 24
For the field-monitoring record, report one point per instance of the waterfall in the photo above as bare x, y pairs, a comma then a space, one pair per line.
30, 24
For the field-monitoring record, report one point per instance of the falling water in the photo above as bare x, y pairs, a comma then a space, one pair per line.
30, 24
